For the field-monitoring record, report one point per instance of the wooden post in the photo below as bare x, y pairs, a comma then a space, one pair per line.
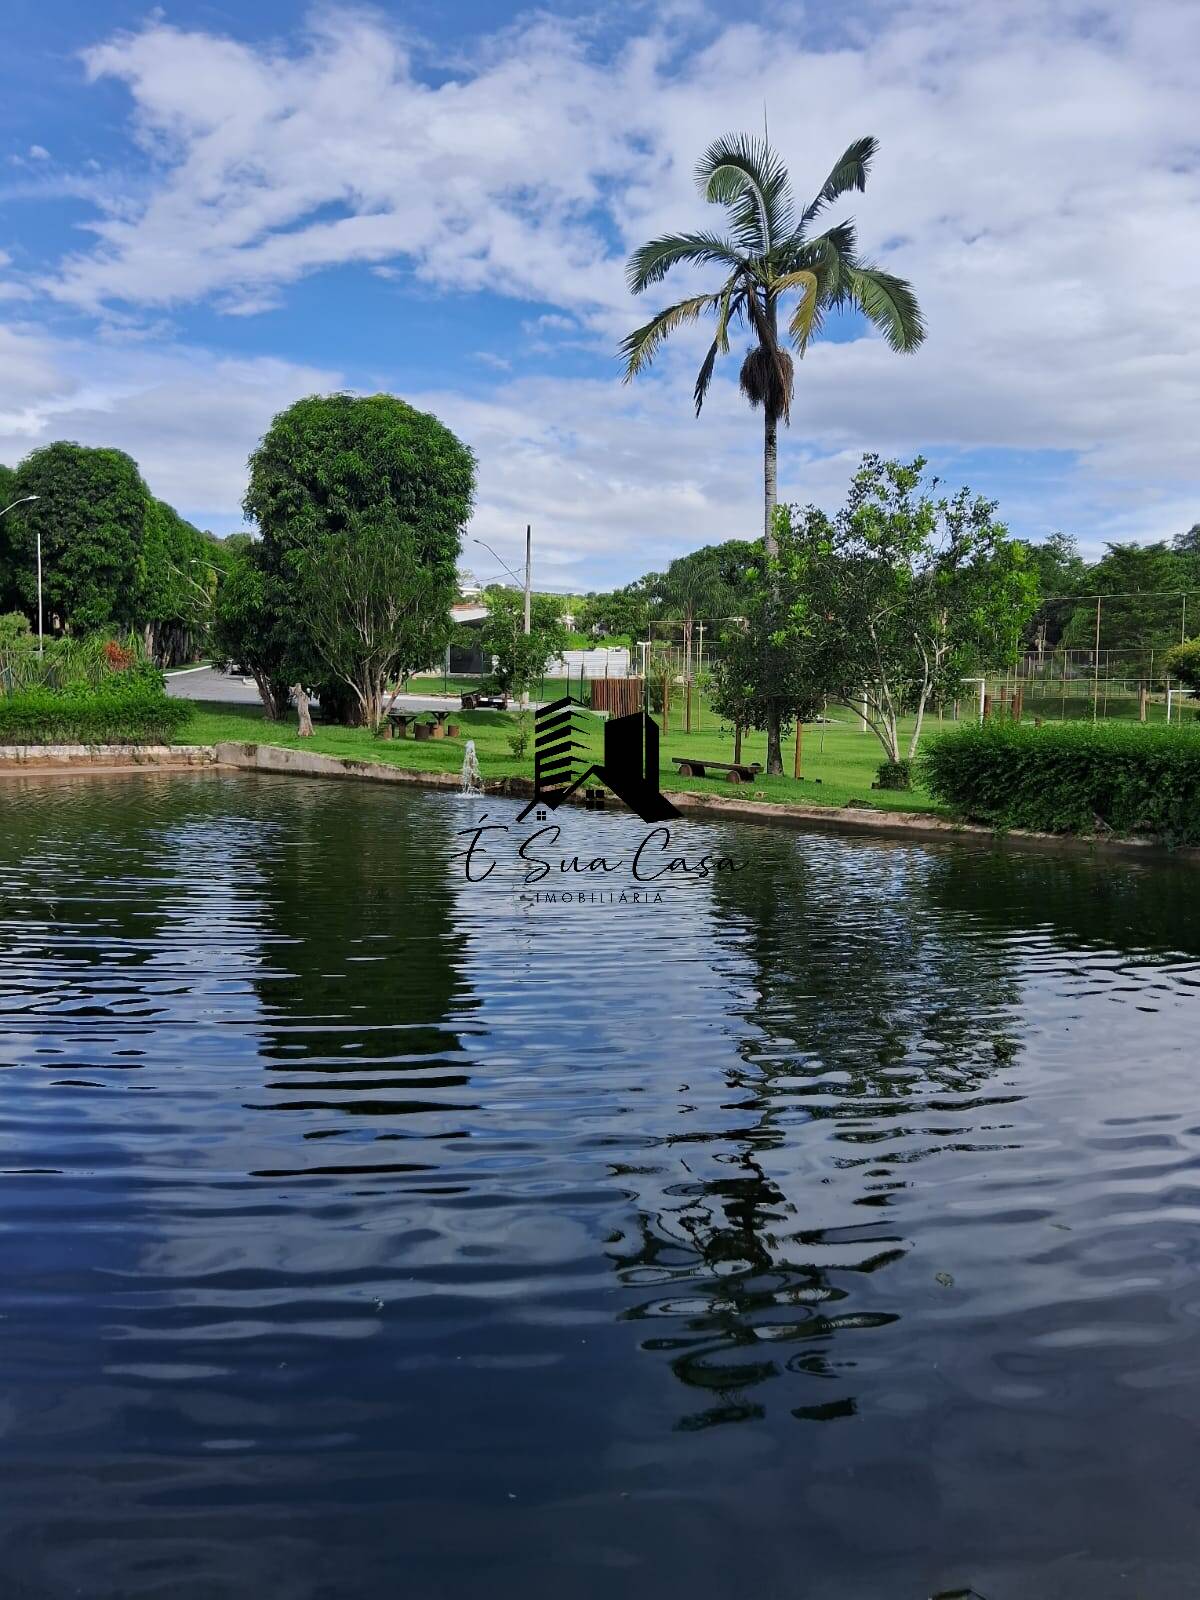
799, 747
737, 742
987, 706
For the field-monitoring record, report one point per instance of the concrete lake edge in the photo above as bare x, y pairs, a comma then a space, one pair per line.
80, 759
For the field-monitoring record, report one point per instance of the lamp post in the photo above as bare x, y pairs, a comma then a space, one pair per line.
24, 501
528, 585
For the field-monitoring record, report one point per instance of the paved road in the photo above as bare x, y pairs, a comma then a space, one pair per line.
202, 683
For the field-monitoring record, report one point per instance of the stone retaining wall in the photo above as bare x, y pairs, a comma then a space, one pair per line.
56, 757
308, 764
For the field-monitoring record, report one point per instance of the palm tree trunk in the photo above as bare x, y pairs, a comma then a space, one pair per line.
770, 492
770, 460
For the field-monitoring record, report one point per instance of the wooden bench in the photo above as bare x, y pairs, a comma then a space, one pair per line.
735, 771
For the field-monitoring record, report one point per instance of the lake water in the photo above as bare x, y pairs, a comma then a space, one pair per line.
827, 1228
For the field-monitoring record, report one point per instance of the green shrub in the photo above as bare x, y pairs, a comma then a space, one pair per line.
14, 629
518, 739
93, 661
1071, 777
1183, 662
894, 775
133, 712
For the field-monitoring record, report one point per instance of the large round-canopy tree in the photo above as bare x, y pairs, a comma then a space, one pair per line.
768, 255
90, 512
360, 501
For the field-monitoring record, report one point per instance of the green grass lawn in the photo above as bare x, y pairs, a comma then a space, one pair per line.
842, 757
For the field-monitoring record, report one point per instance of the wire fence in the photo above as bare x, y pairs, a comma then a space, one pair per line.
1085, 657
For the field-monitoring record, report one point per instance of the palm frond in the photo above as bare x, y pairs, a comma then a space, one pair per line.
730, 307
639, 348
748, 176
651, 263
831, 252
889, 303
849, 172
804, 317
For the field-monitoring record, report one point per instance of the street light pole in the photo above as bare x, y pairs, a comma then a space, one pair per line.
24, 501
528, 592
528, 585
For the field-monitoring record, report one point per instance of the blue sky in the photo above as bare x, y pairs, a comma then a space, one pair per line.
208, 211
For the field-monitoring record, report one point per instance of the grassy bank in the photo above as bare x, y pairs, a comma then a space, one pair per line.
843, 758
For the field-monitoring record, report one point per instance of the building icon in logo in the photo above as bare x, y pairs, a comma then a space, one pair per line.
629, 769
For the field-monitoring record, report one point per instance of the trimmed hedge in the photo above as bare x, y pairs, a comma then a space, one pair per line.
1071, 777
129, 713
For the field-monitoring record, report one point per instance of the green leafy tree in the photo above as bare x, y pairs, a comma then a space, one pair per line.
249, 629
621, 613
179, 568
771, 668
702, 585
1146, 591
8, 493
339, 480
91, 513
770, 255
1060, 572
907, 594
520, 657
374, 611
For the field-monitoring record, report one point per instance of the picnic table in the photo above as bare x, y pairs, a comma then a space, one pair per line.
735, 771
437, 729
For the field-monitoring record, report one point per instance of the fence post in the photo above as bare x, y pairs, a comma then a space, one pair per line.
1096, 664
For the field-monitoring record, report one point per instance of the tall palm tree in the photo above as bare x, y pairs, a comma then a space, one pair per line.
769, 254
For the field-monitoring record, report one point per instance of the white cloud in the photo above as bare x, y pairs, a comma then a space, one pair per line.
1038, 181
190, 419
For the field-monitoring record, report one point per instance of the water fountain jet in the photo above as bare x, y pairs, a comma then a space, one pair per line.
472, 778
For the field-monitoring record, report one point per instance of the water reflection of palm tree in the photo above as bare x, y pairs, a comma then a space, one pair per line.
864, 1014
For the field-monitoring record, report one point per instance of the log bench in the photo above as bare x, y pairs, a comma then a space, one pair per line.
735, 771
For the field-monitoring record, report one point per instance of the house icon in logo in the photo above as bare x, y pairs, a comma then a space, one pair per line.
629, 768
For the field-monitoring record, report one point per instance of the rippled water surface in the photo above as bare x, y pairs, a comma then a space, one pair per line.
828, 1228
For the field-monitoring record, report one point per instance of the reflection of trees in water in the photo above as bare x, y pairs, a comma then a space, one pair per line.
871, 1025
362, 960
109, 887
1116, 901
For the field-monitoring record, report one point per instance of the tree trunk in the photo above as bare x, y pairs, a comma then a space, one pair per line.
266, 693
302, 711
770, 460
